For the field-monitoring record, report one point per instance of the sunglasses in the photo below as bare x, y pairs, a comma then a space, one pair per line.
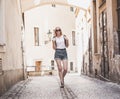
58, 30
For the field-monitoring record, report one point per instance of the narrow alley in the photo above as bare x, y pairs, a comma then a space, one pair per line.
76, 87
43, 41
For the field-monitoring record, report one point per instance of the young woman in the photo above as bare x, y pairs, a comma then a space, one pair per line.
60, 43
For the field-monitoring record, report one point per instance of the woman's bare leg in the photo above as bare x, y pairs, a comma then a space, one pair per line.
65, 67
60, 69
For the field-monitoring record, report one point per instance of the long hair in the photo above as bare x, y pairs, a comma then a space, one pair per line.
55, 31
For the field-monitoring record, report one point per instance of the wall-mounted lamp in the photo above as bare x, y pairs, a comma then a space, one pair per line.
49, 34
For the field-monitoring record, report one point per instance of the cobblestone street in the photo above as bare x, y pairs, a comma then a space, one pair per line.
76, 87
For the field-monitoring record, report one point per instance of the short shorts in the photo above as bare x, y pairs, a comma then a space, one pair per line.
61, 54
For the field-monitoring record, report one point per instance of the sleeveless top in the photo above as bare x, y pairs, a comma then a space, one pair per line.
60, 42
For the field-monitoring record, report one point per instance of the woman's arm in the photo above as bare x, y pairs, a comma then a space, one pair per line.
66, 41
54, 44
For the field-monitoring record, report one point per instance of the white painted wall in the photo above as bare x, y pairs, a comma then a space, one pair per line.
47, 17
82, 38
2, 37
10, 34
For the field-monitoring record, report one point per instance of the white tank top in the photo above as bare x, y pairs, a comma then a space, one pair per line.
60, 42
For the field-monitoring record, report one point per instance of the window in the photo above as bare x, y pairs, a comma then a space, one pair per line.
2, 25
95, 27
71, 66
36, 36
0, 65
71, 9
118, 10
73, 38
53, 5
52, 62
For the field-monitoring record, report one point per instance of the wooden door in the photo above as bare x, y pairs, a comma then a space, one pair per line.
104, 45
38, 66
118, 10
90, 53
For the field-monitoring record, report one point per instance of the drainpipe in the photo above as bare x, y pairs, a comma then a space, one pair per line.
22, 46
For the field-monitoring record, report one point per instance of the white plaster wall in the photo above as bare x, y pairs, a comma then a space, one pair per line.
47, 17
11, 31
2, 25
82, 38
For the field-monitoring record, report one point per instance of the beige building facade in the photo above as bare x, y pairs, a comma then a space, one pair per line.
11, 67
38, 45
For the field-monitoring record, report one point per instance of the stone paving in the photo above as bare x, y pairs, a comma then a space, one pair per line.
76, 87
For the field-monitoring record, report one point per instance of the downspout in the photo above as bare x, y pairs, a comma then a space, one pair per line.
22, 47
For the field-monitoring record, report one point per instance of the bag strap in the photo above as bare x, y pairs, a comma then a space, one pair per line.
64, 40
55, 41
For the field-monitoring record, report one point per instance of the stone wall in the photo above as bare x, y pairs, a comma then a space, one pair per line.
115, 69
9, 78
114, 57
113, 48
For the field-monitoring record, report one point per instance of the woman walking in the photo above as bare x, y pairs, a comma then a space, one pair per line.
60, 43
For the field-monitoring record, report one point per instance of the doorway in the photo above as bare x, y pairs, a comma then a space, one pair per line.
38, 66
90, 53
104, 45
71, 66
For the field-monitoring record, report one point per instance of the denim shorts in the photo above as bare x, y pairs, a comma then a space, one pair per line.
61, 54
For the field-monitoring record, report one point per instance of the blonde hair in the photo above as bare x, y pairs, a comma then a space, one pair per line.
55, 31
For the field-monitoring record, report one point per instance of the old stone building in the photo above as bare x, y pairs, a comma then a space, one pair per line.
105, 41
11, 64
84, 40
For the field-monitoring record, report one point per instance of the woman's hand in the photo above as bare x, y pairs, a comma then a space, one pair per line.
66, 41
65, 37
54, 45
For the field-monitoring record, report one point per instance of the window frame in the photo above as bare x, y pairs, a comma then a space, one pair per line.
36, 36
73, 38
1, 71
52, 63
72, 9
118, 14
71, 66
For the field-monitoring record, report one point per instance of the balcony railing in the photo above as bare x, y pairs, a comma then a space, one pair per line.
42, 68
